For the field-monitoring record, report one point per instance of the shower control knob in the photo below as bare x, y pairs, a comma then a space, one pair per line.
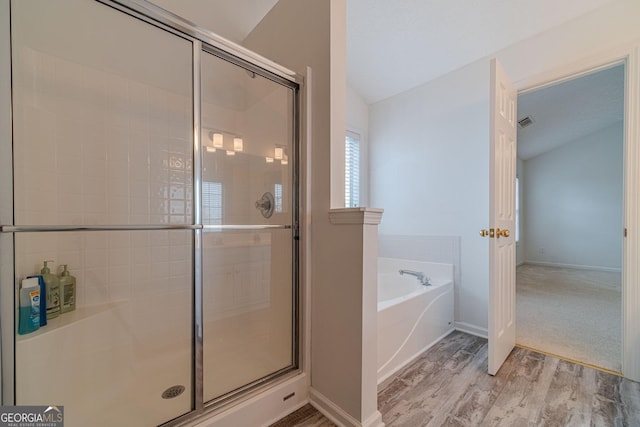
266, 204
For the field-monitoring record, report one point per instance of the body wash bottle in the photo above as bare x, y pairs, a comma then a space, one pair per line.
53, 291
43, 300
67, 291
29, 320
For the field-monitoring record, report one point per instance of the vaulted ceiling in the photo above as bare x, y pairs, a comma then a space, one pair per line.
396, 45
570, 110
231, 19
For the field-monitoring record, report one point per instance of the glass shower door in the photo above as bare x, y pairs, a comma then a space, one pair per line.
103, 150
248, 212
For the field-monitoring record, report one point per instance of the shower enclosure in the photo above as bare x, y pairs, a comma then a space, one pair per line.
162, 169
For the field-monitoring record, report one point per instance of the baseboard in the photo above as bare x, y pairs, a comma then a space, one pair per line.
576, 266
472, 329
337, 415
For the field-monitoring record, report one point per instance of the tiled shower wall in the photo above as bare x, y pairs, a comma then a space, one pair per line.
109, 150
106, 150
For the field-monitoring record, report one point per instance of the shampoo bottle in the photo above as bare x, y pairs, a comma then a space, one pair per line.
43, 299
29, 319
67, 291
53, 291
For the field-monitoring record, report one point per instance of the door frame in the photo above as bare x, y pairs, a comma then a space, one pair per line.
630, 57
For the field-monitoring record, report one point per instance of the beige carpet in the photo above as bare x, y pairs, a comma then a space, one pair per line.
572, 313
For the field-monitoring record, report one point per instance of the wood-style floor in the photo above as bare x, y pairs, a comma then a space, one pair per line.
448, 386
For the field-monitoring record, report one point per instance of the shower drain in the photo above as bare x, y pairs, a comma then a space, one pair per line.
173, 391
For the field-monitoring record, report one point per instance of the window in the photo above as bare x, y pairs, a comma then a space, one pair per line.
517, 210
352, 170
212, 203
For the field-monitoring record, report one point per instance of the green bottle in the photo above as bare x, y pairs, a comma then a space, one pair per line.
53, 291
67, 291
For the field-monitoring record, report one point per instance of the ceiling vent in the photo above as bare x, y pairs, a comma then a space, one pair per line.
527, 121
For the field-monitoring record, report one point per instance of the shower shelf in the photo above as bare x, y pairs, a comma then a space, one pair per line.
66, 319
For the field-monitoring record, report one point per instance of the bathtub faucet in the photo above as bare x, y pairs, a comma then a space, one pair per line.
424, 280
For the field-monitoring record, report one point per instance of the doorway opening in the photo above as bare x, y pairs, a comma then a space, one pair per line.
571, 203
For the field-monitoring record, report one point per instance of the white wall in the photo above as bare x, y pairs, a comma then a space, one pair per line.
574, 202
429, 145
423, 160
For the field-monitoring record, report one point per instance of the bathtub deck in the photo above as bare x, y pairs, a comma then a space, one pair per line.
449, 385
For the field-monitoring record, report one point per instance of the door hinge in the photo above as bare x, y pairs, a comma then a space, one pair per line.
625, 232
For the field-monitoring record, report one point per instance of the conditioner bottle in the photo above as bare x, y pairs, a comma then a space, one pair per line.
67, 291
53, 291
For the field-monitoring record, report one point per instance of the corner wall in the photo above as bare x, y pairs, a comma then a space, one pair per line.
574, 203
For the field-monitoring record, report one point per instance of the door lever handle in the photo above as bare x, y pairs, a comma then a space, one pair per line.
494, 233
490, 232
502, 233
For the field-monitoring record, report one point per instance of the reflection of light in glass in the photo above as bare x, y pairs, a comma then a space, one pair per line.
278, 153
231, 153
211, 150
218, 140
237, 144
211, 202
285, 160
269, 159
278, 197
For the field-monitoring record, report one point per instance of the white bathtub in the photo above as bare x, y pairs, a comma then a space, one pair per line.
411, 317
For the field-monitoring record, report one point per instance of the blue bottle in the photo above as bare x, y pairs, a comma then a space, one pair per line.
43, 297
29, 319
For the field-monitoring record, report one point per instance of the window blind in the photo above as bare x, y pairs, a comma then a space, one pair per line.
352, 171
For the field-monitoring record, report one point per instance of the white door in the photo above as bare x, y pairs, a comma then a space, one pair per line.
502, 246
